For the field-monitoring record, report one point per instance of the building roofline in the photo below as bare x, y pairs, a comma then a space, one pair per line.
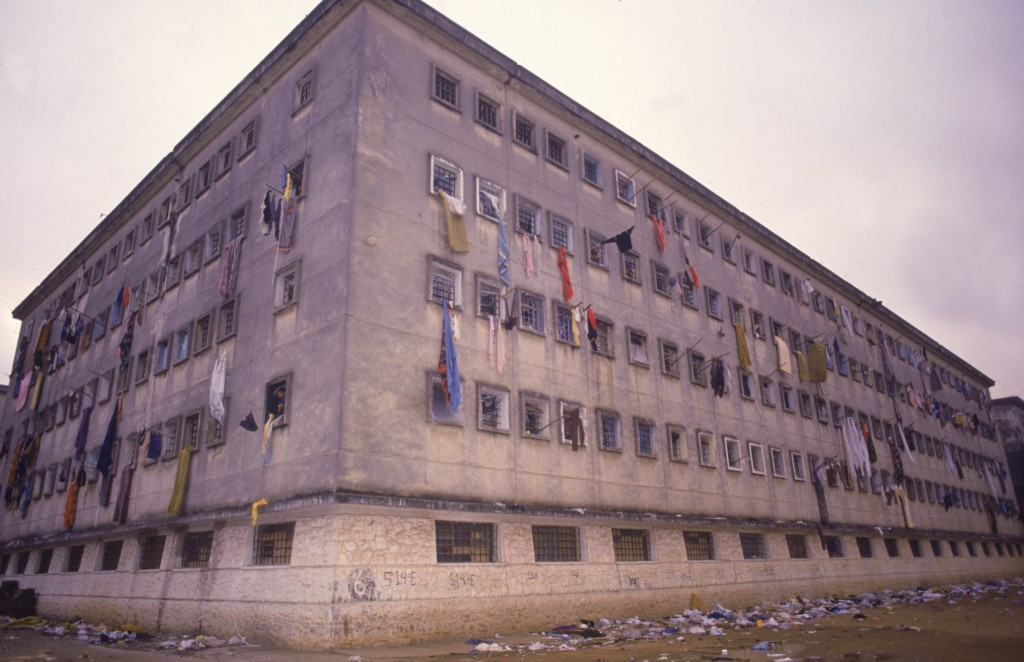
1009, 401
314, 24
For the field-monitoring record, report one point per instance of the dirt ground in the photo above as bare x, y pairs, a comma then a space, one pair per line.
985, 627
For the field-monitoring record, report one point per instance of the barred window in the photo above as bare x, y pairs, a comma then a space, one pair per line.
557, 152
625, 189
661, 279
677, 451
446, 88
669, 358
563, 324
797, 545
553, 544
631, 267
272, 544
631, 545
699, 545
753, 546
561, 233
196, 548
524, 132
531, 312
487, 112
706, 448
494, 409
778, 462
151, 552
591, 170
645, 438
637, 347
445, 176
465, 542
604, 338
535, 416
527, 213
111, 554
609, 425
445, 283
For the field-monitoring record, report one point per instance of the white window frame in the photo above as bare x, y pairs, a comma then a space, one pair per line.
484, 186
555, 219
585, 158
605, 415
677, 452
733, 453
799, 464
641, 355
436, 265
629, 196
778, 460
640, 425
758, 464
503, 402
706, 449
439, 162
564, 405
538, 402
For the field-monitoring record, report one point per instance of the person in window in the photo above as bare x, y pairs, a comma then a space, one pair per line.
276, 402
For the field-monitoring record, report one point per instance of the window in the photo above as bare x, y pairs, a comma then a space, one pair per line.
767, 392
698, 371
148, 223
679, 220
768, 272
797, 545
535, 415
162, 355
937, 548
834, 546
227, 319
864, 547
182, 343
714, 303
786, 396
214, 428
195, 549
24, 556
99, 327
704, 232
706, 448
439, 409
556, 544
192, 258
563, 324
97, 270
757, 324
111, 555
493, 406
753, 547
756, 452
112, 256
644, 438
128, 245
169, 433
524, 133
777, 462
637, 347
201, 339
788, 288
286, 286
236, 224
669, 358
604, 338
662, 278
45, 558
699, 545
303, 91
204, 177
727, 249
247, 140
746, 384
954, 548
445, 176
631, 267
151, 552
915, 547
818, 302
561, 232
486, 193
154, 285
527, 216
677, 450
592, 170
531, 312
596, 250
275, 398
214, 241
222, 162
488, 112
735, 312
608, 425
891, 547
446, 89
73, 560
625, 189
191, 430
631, 545
465, 542
821, 406
733, 457
797, 460
971, 551
748, 262
572, 418
5, 561
557, 152
272, 544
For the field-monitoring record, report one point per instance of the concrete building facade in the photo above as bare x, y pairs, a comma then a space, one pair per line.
1008, 417
692, 406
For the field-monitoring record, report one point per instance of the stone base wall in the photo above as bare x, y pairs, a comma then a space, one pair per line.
369, 576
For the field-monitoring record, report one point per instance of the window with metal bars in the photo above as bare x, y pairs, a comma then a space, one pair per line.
73, 561
535, 416
444, 284
487, 112
527, 214
631, 267
272, 544
524, 132
563, 324
661, 279
554, 544
699, 545
561, 233
645, 438
493, 408
609, 424
446, 88
797, 545
196, 548
465, 542
151, 552
531, 312
631, 545
753, 547
111, 554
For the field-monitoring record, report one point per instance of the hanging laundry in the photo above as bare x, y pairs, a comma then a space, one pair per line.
123, 494
801, 367
806, 289
106, 459
842, 362
903, 440
70, 506
659, 232
249, 423
229, 262
83, 432
718, 380
527, 255
742, 351
454, 215
785, 365
574, 429
574, 320
499, 360
504, 253
623, 241
177, 503
846, 317
124, 348
267, 212
819, 492
217, 389
24, 388
286, 236
865, 432
592, 329
256, 505
673, 283
154, 445
492, 330
563, 268
817, 372
856, 448
267, 446
448, 365
897, 461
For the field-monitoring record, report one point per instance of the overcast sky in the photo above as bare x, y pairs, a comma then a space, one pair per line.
884, 139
